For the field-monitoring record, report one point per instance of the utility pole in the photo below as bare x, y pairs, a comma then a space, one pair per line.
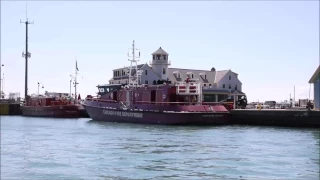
26, 55
294, 96
0, 79
75, 83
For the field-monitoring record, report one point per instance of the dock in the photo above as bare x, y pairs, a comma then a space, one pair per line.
276, 117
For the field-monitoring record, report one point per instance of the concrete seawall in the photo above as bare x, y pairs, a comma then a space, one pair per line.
275, 117
10, 109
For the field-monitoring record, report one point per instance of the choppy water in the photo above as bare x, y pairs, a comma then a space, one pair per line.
38, 148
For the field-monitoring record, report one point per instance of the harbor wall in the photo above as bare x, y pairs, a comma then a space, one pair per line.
287, 117
10, 109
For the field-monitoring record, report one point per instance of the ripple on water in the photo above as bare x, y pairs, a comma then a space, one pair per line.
35, 148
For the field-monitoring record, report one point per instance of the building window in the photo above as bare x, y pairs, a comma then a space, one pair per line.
164, 57
158, 57
191, 75
235, 87
179, 75
126, 81
229, 86
146, 72
163, 71
205, 76
146, 82
204, 84
229, 77
119, 82
154, 57
209, 84
223, 86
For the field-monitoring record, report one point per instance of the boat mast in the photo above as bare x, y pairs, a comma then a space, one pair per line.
26, 55
133, 79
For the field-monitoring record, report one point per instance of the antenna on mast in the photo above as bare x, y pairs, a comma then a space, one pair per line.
134, 73
26, 54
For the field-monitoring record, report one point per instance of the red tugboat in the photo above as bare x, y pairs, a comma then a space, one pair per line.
162, 103
57, 105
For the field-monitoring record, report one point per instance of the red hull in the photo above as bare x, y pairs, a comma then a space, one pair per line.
64, 111
152, 117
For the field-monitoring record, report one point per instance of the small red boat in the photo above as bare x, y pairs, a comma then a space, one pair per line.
57, 105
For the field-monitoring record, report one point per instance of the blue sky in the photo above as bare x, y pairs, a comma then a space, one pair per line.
271, 45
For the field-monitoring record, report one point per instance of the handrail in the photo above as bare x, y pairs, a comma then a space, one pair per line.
150, 102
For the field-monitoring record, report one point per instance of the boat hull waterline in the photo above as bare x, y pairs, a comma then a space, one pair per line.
152, 117
68, 111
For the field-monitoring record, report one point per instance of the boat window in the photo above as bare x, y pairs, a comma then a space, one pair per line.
101, 90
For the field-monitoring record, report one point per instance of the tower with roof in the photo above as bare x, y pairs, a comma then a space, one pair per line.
160, 63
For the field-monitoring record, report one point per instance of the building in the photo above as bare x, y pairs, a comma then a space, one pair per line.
315, 80
217, 85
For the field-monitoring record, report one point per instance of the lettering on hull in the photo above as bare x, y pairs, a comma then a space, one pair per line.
212, 115
123, 113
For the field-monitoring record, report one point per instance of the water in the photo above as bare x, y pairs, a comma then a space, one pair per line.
38, 148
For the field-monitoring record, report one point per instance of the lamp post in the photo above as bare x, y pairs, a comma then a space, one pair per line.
70, 86
1, 65
39, 86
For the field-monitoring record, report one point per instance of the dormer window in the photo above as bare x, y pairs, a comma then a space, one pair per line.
158, 57
164, 57
154, 57
191, 75
205, 76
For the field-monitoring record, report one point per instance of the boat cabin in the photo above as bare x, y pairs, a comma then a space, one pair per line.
48, 101
182, 92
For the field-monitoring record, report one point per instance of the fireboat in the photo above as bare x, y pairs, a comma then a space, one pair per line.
163, 103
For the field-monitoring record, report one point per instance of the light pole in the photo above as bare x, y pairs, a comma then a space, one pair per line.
1, 65
39, 86
70, 87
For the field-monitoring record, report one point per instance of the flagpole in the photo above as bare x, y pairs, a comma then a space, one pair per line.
75, 84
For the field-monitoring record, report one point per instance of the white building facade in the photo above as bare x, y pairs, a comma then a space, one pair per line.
217, 85
315, 80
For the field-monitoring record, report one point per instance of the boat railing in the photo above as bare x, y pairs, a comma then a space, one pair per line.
158, 103
179, 103
188, 88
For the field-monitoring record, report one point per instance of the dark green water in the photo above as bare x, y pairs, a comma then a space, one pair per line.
39, 148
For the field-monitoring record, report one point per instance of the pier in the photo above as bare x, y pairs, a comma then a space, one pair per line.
276, 117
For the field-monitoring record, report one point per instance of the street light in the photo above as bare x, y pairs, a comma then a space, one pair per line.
39, 86
1, 92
